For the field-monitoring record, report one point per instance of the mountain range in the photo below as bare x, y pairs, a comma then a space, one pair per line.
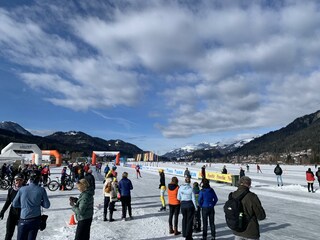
64, 142
300, 135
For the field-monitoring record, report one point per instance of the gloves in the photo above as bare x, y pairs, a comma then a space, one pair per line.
1, 215
73, 201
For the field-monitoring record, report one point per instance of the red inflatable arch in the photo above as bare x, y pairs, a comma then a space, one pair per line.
102, 154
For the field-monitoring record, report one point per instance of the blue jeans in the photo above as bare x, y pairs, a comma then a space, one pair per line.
279, 179
28, 228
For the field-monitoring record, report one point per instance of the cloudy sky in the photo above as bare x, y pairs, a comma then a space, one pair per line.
159, 74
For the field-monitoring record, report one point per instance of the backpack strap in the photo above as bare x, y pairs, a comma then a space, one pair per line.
242, 195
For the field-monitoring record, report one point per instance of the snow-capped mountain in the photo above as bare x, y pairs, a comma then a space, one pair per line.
14, 127
222, 147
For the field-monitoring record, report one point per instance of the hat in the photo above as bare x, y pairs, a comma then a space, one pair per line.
19, 176
160, 170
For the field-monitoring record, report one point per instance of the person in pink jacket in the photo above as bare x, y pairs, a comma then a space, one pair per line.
310, 179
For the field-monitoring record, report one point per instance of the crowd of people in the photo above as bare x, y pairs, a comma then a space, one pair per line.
195, 201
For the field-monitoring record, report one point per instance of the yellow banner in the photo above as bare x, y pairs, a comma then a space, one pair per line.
219, 177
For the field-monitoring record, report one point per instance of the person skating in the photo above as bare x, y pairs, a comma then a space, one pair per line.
188, 207
162, 187
278, 172
253, 211
310, 179
241, 173
125, 186
14, 213
138, 171
207, 200
174, 205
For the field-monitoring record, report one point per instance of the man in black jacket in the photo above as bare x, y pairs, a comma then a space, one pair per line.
278, 172
14, 213
91, 180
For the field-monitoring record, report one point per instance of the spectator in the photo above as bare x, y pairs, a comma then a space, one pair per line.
91, 180
188, 207
14, 213
45, 174
253, 211
110, 197
30, 199
318, 175
203, 172
310, 179
278, 172
83, 209
162, 187
63, 178
224, 170
186, 173
207, 200
174, 205
241, 173
197, 214
125, 186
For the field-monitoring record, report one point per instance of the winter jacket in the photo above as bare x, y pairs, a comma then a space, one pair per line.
83, 208
207, 198
30, 199
310, 176
253, 211
185, 193
13, 211
162, 180
113, 192
125, 186
278, 170
196, 191
172, 194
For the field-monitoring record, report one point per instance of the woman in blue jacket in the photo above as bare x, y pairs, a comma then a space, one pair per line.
207, 200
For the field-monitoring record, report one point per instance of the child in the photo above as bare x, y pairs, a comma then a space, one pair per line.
197, 217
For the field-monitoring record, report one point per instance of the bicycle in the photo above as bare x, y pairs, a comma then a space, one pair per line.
53, 185
4, 184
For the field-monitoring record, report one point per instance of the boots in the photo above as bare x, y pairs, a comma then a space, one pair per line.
162, 209
171, 230
110, 217
105, 217
175, 231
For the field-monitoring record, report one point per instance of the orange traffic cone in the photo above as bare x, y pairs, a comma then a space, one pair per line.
72, 221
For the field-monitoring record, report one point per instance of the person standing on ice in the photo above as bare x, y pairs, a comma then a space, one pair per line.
14, 213
162, 187
174, 205
318, 175
258, 168
83, 209
125, 186
188, 207
110, 197
310, 179
253, 211
30, 199
278, 172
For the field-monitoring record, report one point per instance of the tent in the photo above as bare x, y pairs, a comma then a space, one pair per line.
10, 156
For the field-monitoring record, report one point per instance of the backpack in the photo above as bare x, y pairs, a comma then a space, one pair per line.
233, 210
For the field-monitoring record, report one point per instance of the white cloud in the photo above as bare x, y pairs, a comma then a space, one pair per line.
217, 66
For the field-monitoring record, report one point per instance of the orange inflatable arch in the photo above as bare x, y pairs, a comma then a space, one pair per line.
100, 153
54, 153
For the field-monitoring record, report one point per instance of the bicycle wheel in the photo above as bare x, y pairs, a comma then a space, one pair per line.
69, 185
53, 185
5, 184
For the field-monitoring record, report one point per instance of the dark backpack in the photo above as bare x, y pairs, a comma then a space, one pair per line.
234, 215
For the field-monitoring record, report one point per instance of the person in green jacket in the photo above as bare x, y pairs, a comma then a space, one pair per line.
83, 209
